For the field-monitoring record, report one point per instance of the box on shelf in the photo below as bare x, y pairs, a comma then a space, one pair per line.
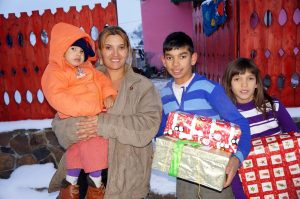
200, 164
272, 169
207, 131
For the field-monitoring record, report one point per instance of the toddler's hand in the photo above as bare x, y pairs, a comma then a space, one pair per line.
109, 102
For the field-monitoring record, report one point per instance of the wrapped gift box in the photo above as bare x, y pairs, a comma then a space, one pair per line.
207, 131
272, 169
200, 164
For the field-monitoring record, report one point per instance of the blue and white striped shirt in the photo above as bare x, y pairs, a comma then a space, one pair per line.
206, 98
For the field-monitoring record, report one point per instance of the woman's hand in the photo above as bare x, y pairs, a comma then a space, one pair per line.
231, 170
87, 127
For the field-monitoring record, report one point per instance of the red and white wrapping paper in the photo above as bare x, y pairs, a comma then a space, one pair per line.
207, 131
272, 169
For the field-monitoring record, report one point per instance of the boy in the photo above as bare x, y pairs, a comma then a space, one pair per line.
73, 87
192, 93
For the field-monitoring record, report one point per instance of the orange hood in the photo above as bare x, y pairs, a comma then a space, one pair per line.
63, 35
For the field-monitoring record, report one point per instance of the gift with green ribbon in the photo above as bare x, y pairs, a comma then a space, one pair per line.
191, 161
177, 151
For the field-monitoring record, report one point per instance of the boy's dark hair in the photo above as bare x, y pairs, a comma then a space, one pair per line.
177, 40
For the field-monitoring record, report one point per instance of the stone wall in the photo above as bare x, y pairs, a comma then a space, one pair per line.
25, 147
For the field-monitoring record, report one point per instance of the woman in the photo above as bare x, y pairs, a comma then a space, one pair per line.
129, 125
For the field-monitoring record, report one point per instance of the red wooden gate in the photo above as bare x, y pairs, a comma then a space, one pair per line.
22, 63
273, 42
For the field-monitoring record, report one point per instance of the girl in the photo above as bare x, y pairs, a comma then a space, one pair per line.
130, 125
266, 115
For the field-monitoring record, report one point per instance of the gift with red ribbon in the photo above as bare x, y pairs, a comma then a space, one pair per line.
272, 169
207, 131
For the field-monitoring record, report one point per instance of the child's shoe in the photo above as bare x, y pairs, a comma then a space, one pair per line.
93, 192
68, 191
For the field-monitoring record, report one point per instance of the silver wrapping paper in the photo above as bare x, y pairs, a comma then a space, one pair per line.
202, 165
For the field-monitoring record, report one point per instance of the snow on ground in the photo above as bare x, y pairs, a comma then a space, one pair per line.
25, 181
162, 183
160, 83
31, 182
294, 112
25, 124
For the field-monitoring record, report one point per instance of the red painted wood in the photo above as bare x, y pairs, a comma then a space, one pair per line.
13, 58
32, 57
238, 38
4, 109
98, 15
73, 17
297, 58
273, 38
85, 19
110, 10
39, 60
46, 111
275, 62
24, 79
288, 60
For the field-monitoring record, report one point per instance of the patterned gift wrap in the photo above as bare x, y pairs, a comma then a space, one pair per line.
191, 161
272, 169
207, 131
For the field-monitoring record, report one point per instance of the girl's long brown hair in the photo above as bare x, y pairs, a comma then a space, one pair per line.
240, 66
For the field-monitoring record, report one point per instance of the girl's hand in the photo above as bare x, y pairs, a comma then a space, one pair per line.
109, 102
231, 170
87, 127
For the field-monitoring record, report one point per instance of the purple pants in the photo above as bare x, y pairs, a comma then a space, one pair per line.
237, 187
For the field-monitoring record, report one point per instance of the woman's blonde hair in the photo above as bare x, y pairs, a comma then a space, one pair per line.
116, 30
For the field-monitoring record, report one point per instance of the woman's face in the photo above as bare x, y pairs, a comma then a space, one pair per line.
114, 52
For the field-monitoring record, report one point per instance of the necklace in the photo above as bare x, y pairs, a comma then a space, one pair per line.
80, 73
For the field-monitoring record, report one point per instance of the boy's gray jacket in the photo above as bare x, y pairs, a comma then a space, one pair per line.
130, 126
